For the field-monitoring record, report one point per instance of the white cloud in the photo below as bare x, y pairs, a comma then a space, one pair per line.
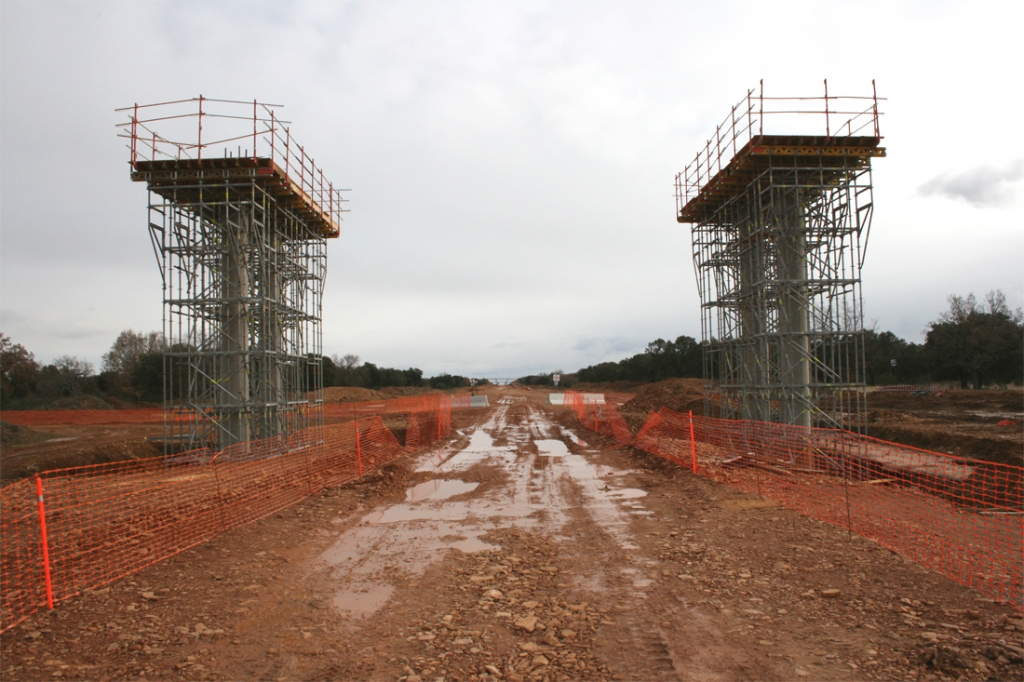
984, 187
511, 163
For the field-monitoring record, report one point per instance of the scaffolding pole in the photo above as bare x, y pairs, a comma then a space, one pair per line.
240, 236
779, 229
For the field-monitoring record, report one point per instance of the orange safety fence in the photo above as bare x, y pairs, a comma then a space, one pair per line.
145, 415
414, 403
600, 417
76, 529
963, 518
155, 415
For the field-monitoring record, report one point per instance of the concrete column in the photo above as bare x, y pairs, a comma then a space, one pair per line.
234, 374
751, 308
794, 346
272, 341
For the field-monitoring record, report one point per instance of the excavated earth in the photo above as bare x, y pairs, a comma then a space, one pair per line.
525, 548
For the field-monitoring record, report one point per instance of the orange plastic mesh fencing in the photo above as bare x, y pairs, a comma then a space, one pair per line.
602, 418
99, 523
427, 402
155, 415
618, 398
963, 518
146, 415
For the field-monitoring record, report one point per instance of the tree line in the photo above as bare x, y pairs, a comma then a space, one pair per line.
345, 370
133, 372
973, 343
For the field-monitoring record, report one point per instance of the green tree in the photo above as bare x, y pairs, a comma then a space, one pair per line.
977, 343
18, 370
660, 360
444, 381
128, 350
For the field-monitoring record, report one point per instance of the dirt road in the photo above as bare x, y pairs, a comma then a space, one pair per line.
525, 549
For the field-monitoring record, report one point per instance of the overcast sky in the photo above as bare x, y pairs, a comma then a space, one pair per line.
511, 164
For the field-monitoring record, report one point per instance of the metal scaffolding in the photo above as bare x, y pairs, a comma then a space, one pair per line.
780, 224
240, 237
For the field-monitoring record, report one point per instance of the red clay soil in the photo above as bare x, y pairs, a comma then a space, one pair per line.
698, 581
962, 423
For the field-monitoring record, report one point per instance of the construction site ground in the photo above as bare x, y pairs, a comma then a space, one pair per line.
524, 548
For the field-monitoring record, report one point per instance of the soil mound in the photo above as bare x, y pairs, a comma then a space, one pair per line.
81, 402
12, 434
958, 422
680, 395
351, 394
675, 394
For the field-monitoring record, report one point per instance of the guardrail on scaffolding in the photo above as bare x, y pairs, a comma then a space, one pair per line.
960, 517
71, 530
203, 129
839, 116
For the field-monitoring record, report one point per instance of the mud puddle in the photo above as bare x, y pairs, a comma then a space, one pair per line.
544, 486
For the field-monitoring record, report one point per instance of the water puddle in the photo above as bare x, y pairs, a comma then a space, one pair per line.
403, 539
438, 489
626, 494
566, 433
551, 448
363, 602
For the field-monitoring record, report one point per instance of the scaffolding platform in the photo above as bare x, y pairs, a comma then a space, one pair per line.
239, 215
187, 178
831, 157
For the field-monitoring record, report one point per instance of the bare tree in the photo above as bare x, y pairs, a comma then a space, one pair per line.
68, 374
346, 361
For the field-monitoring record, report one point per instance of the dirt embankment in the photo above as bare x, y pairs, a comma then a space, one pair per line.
962, 423
680, 395
29, 452
355, 394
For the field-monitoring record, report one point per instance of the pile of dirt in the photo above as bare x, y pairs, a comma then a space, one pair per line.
13, 434
81, 402
22, 461
354, 394
398, 391
351, 394
986, 402
964, 423
680, 395
606, 386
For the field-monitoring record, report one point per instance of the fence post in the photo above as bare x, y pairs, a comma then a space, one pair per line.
46, 544
438, 419
693, 443
359, 452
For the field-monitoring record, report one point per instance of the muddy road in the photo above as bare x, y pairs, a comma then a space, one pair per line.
526, 549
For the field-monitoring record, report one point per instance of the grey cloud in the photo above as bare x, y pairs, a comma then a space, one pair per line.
984, 186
